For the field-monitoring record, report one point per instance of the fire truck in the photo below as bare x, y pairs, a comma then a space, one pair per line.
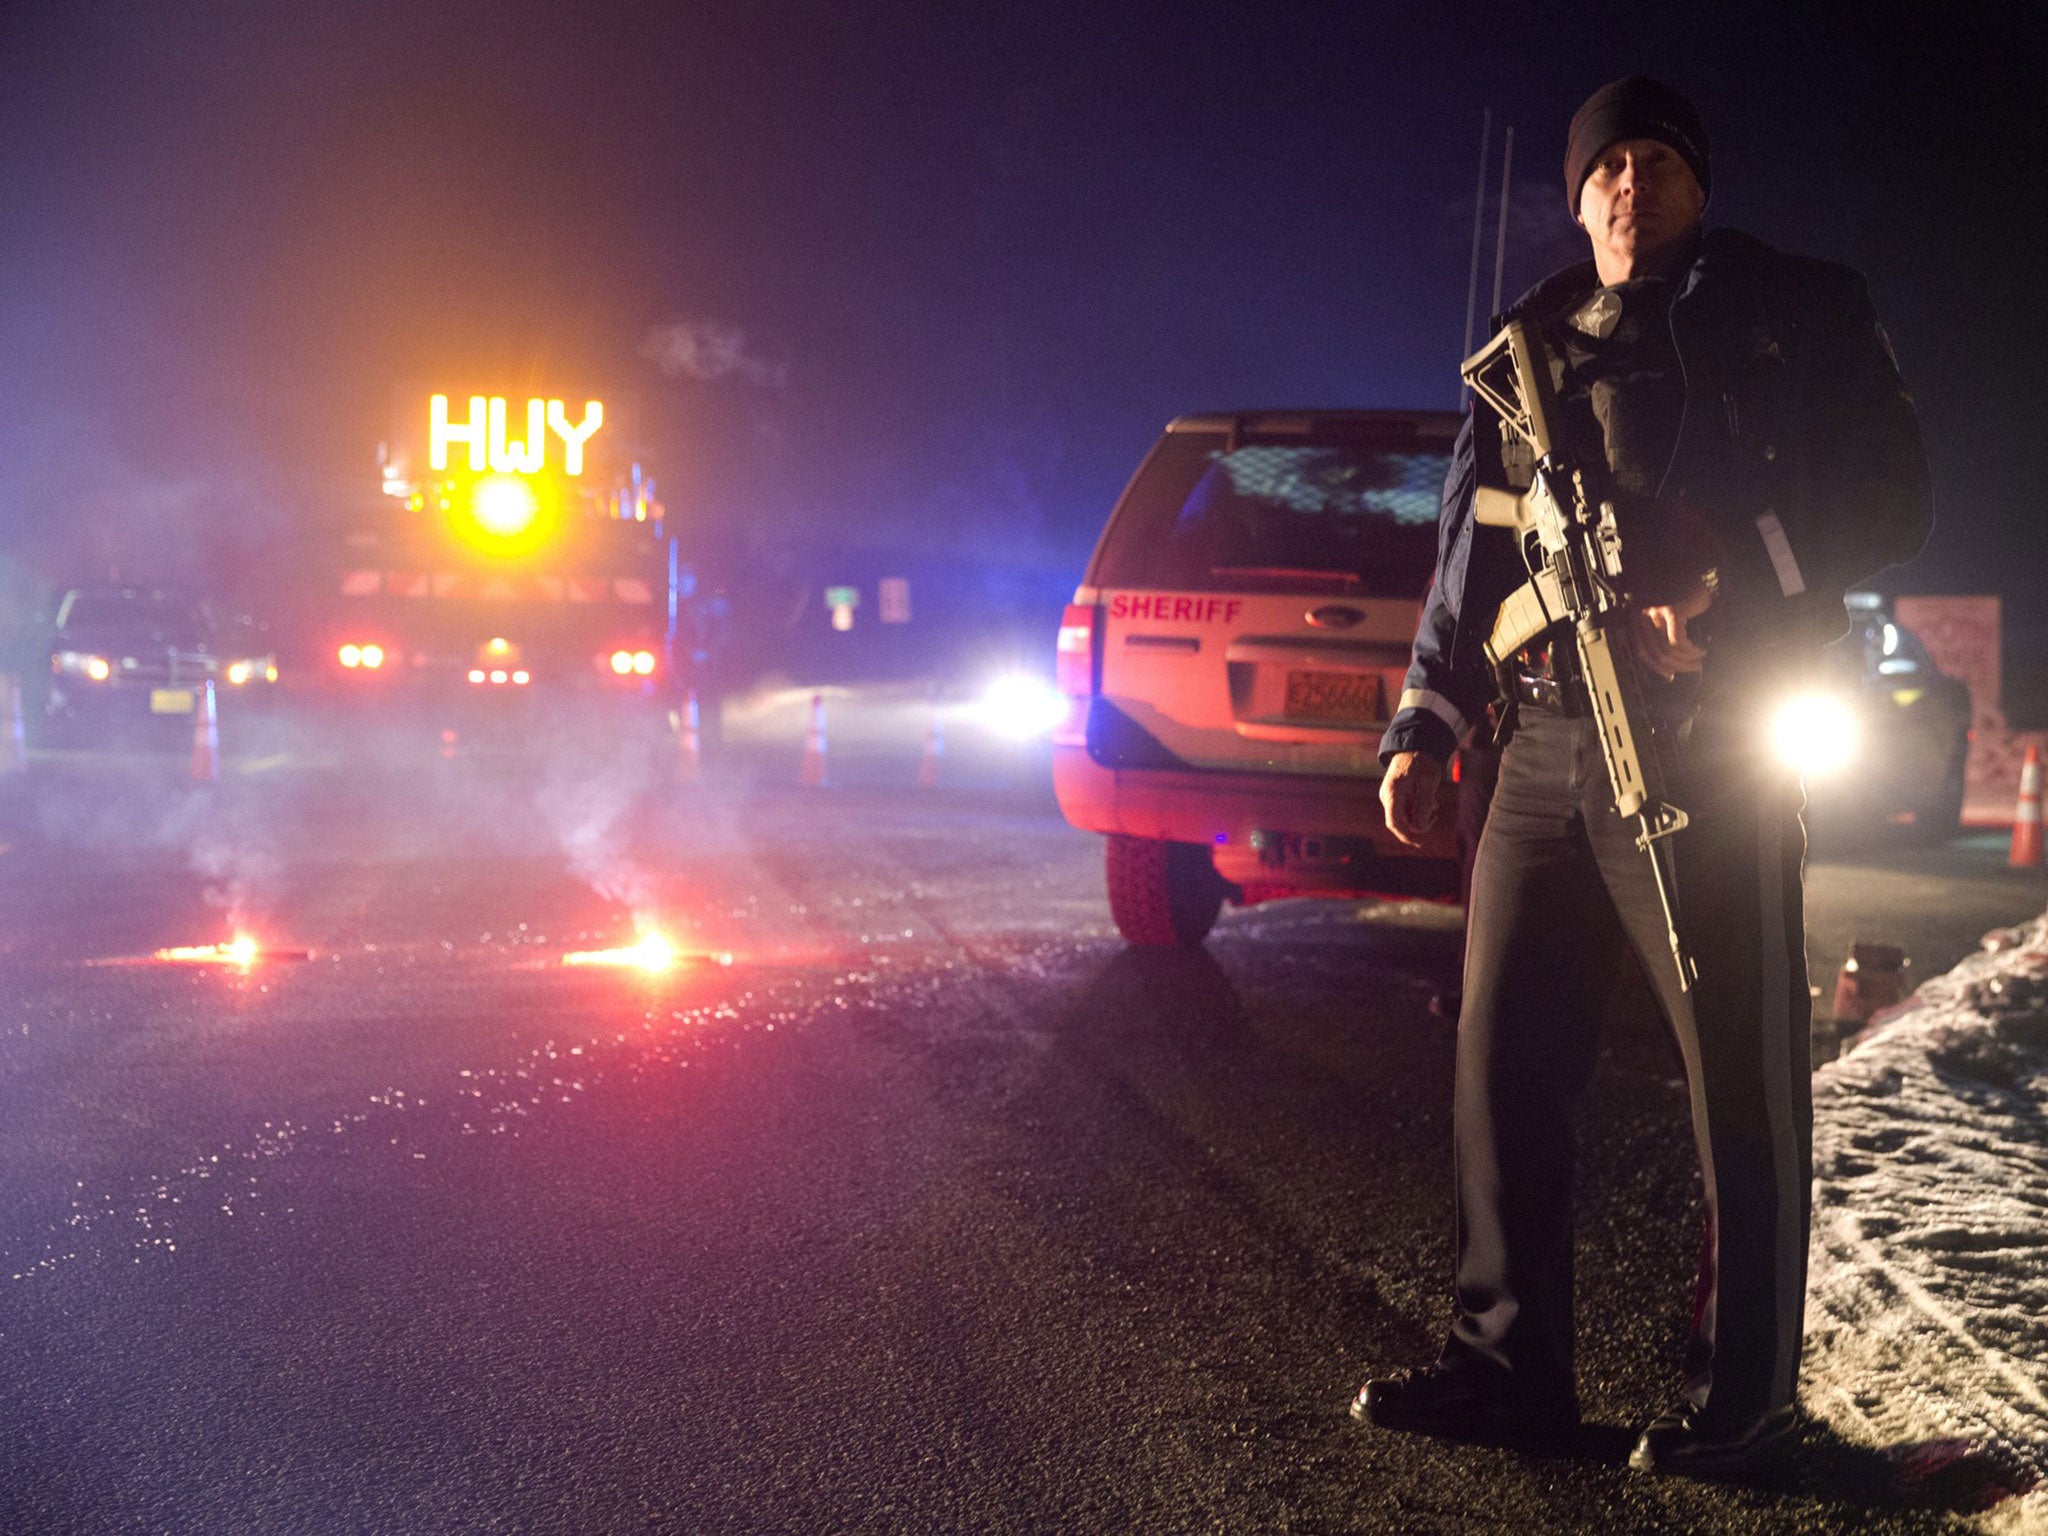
518, 558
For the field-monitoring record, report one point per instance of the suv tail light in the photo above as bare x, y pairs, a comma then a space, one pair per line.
1074, 655
1073, 670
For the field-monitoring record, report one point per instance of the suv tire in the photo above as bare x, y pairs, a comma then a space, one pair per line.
1163, 895
1941, 818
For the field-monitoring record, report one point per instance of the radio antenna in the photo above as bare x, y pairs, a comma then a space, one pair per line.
1478, 222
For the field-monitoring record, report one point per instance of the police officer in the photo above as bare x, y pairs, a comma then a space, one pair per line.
1764, 458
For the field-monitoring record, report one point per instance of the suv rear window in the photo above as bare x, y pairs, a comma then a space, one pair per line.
1357, 511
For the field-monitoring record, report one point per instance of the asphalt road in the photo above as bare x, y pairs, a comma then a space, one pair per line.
909, 1201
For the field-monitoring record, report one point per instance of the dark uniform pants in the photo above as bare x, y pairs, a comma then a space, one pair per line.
1558, 887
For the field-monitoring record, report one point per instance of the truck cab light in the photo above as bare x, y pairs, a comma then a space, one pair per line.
505, 507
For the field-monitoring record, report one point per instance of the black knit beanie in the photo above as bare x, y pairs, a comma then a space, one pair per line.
1635, 108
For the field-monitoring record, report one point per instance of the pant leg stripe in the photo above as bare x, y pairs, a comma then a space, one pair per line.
1775, 1019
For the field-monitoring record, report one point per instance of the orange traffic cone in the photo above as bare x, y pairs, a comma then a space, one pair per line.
206, 737
934, 753
13, 740
814, 745
689, 744
2026, 821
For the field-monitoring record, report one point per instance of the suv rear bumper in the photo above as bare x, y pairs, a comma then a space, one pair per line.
1272, 834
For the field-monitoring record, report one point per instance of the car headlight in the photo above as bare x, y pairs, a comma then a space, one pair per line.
250, 669
82, 664
1815, 733
1022, 706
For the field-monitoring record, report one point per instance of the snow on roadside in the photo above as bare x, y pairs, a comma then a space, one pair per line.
1927, 1306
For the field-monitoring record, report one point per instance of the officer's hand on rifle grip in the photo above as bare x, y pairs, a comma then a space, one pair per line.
1658, 630
1408, 792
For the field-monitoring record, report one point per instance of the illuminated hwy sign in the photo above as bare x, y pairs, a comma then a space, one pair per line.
486, 434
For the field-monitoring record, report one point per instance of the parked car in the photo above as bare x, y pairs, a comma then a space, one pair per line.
1232, 656
1883, 737
125, 659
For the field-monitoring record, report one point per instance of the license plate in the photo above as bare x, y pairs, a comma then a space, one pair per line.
170, 701
1341, 697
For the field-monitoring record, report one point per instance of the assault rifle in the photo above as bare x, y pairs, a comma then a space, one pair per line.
1572, 550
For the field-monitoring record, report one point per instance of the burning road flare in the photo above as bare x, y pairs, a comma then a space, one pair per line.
653, 953
241, 950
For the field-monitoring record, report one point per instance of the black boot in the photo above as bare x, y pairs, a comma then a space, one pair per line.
1463, 1401
1689, 1442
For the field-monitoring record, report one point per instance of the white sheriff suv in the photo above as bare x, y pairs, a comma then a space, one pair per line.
1233, 655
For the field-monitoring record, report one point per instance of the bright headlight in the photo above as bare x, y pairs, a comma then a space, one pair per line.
1815, 733
82, 664
1022, 706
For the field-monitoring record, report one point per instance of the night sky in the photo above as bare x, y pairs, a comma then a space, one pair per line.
914, 274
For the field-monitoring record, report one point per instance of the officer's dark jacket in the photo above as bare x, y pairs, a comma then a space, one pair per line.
1799, 443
